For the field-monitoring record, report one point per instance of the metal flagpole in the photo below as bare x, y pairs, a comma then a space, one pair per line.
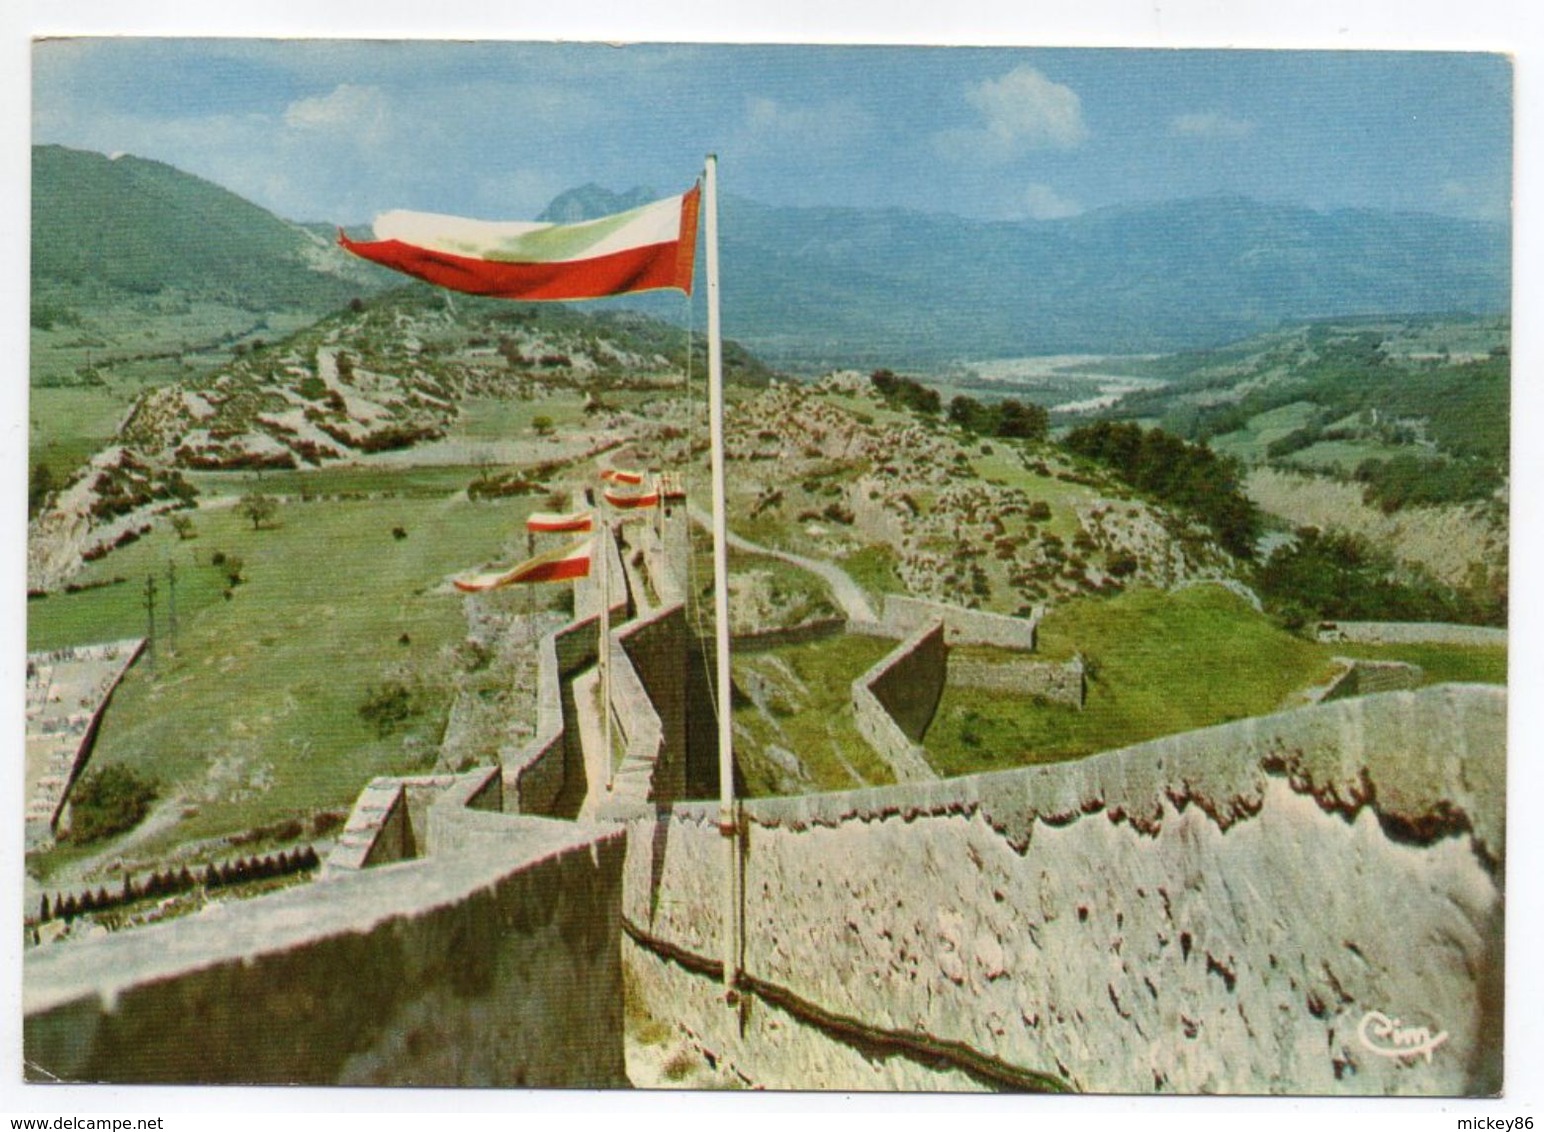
728, 819
603, 654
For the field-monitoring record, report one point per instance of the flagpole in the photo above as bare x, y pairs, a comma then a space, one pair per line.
603, 654
728, 824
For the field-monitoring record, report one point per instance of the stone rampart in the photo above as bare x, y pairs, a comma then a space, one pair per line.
1234, 910
1366, 677
1412, 633
544, 776
1059, 682
894, 701
494, 966
654, 650
905, 615
819, 630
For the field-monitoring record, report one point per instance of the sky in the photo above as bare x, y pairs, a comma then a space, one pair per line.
338, 131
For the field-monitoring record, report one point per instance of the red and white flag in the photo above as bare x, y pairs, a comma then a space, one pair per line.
548, 521
621, 475
631, 502
554, 566
644, 249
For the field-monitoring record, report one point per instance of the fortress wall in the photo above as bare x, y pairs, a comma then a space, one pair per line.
908, 682
1412, 633
905, 615
377, 831
1060, 682
1218, 911
894, 701
494, 967
1366, 677
819, 630
655, 649
538, 777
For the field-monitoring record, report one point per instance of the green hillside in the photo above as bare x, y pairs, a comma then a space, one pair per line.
143, 227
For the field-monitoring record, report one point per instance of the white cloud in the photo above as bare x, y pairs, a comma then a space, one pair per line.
1210, 124
1021, 111
361, 110
1485, 201
1041, 202
769, 121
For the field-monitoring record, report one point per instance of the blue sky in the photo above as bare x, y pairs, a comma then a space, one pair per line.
339, 131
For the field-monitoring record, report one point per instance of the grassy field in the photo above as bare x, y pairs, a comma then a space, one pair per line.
1443, 664
497, 418
809, 712
1248, 444
256, 715
365, 479
1161, 664
1345, 455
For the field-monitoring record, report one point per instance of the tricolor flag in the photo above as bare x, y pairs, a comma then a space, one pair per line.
644, 249
547, 521
554, 566
631, 502
621, 475
671, 487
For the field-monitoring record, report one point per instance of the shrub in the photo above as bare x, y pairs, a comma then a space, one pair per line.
108, 802
387, 708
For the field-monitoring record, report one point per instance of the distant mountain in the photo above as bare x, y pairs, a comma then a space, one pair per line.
1139, 279
825, 285
818, 287
141, 226
590, 201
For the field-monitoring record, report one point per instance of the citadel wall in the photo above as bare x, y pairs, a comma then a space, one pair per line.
493, 961
1412, 633
1265, 906
894, 701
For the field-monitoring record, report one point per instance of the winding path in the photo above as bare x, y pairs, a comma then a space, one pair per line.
848, 594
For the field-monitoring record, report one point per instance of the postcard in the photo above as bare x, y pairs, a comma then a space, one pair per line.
740, 566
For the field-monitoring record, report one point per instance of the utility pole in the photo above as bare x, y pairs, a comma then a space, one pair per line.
150, 615
171, 605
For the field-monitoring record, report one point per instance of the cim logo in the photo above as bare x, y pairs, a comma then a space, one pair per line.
1390, 1037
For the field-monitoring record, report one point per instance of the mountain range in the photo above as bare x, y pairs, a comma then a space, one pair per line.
818, 286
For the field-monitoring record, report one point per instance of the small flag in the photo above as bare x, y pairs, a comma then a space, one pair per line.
671, 487
547, 521
632, 502
554, 566
644, 249
621, 475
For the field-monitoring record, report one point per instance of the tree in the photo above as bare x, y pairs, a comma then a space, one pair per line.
109, 801
183, 525
1024, 422
258, 507
39, 488
542, 424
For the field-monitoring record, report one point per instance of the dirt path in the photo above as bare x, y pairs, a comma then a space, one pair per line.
848, 594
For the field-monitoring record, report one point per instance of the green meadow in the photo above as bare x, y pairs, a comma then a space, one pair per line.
252, 714
1161, 663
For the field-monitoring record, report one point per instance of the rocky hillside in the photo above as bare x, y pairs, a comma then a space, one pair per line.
377, 378
915, 506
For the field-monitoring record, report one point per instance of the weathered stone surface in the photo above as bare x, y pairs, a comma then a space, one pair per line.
894, 701
1214, 912
495, 966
